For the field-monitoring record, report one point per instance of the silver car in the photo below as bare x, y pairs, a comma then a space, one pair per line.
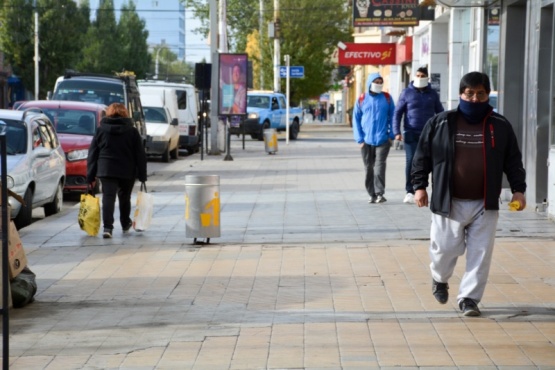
36, 163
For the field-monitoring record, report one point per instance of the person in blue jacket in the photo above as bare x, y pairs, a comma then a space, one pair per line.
372, 121
417, 104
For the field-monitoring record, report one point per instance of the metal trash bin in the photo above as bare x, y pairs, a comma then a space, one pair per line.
270, 140
202, 207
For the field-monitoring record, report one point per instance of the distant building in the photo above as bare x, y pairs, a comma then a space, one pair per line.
165, 21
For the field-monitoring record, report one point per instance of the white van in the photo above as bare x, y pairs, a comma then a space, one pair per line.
160, 108
187, 107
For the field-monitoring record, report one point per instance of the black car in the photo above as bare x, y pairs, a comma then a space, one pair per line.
103, 89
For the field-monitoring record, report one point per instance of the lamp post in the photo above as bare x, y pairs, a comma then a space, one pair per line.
156, 64
37, 58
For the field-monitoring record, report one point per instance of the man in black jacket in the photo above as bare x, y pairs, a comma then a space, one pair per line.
467, 150
117, 157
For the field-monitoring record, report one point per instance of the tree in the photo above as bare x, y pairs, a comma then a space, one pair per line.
133, 36
102, 51
309, 32
60, 30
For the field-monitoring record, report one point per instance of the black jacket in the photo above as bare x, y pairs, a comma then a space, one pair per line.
116, 151
436, 151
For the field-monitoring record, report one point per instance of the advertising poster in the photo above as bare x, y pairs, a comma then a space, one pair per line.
233, 84
371, 13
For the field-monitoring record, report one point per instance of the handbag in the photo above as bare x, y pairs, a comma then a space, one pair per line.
143, 209
89, 213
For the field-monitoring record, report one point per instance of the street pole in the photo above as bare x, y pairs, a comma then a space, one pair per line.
214, 93
277, 31
287, 63
37, 58
260, 42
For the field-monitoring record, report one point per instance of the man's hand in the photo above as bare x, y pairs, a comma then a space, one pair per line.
521, 199
399, 137
421, 198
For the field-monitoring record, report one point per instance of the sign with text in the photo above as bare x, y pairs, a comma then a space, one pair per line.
401, 13
367, 54
294, 71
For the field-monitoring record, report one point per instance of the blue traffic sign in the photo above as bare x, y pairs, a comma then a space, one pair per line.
294, 71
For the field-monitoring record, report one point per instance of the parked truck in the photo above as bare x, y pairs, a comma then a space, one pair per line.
266, 109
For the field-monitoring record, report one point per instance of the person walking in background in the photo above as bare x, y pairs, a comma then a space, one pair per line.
466, 150
331, 115
417, 104
116, 157
372, 120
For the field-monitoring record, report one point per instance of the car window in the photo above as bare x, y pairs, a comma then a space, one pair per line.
52, 137
155, 115
282, 101
37, 138
181, 99
90, 91
16, 137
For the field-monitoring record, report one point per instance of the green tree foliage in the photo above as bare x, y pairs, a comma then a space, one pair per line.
309, 32
102, 51
58, 47
133, 36
169, 68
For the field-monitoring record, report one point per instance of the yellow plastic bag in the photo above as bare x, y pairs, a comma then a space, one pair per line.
143, 209
89, 214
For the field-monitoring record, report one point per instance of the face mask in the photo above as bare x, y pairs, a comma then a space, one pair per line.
420, 82
474, 112
376, 88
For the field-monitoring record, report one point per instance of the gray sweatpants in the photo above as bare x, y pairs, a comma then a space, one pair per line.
469, 228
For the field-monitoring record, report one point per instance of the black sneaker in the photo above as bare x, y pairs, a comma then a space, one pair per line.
127, 227
107, 233
380, 199
372, 199
469, 307
440, 291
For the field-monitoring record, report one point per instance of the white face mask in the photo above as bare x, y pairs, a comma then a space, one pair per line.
420, 82
376, 88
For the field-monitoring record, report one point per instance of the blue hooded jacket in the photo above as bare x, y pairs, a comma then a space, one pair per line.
417, 106
373, 116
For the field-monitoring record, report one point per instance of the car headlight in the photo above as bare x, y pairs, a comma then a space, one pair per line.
253, 115
77, 155
11, 182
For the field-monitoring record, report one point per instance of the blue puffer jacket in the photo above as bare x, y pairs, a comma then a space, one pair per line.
417, 106
373, 116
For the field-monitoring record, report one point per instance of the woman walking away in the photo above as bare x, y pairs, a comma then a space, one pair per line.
116, 157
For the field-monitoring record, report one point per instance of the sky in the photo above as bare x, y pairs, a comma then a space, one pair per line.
196, 47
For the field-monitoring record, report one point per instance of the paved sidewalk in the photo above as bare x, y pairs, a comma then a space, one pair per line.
306, 275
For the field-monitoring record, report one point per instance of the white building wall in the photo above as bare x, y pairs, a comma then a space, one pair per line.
459, 27
439, 58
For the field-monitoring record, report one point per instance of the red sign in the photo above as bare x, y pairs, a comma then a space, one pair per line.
364, 54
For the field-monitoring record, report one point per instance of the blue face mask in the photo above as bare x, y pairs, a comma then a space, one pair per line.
474, 112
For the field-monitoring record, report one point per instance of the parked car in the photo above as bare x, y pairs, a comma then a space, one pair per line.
185, 97
267, 109
75, 124
103, 89
162, 133
36, 164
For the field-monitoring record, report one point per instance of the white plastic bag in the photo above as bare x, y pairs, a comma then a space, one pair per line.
143, 209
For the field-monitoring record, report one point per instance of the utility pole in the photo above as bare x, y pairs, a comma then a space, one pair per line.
277, 33
37, 58
214, 93
260, 41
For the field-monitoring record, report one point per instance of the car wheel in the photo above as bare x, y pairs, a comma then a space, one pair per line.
294, 130
175, 153
56, 205
25, 215
166, 154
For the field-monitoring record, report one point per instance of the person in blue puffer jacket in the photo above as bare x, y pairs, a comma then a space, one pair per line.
417, 104
372, 130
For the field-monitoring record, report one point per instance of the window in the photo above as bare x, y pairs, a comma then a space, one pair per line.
181, 99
